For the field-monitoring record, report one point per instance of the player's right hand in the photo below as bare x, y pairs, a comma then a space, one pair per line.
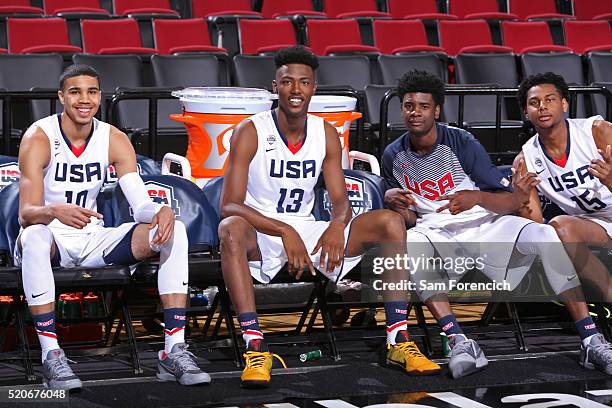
74, 215
523, 182
399, 199
297, 255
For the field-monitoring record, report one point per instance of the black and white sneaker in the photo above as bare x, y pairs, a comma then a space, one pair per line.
57, 374
466, 357
597, 354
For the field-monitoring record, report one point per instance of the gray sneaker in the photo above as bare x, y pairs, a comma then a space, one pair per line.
180, 365
466, 357
597, 354
57, 374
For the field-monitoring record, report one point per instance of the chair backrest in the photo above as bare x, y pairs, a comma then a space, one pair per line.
401, 8
258, 36
204, 8
145, 166
365, 193
455, 35
520, 35
600, 66
19, 6
254, 71
9, 171
54, 6
171, 33
272, 8
345, 70
374, 95
188, 70
125, 7
390, 35
462, 8
120, 71
27, 35
108, 34
589, 9
23, 72
333, 8
186, 200
526, 8
323, 33
568, 65
9, 217
584, 36
392, 67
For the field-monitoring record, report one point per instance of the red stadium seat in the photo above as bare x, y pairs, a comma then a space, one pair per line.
125, 7
592, 9
586, 36
469, 9
260, 36
458, 37
532, 36
205, 8
336, 36
352, 8
19, 7
397, 36
536, 9
120, 36
39, 35
277, 8
423, 9
182, 35
53, 7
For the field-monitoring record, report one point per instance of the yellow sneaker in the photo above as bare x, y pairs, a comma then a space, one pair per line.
409, 358
256, 374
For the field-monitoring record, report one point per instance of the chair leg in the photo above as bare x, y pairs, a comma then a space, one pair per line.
488, 313
313, 319
311, 299
209, 317
327, 324
229, 321
418, 311
129, 330
520, 338
23, 339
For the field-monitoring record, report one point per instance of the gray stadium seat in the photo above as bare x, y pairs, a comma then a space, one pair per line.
392, 67
600, 71
345, 70
254, 71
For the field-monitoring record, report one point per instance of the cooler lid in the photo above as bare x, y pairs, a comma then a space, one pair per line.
224, 93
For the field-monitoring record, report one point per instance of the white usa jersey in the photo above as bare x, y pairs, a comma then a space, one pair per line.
71, 178
280, 183
572, 187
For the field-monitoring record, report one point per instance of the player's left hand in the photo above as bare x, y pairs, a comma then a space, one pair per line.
164, 221
331, 245
602, 169
460, 201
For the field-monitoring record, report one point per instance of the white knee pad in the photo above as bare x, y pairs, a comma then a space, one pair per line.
173, 274
542, 240
37, 276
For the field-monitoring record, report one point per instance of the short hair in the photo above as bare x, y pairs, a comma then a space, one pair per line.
421, 81
538, 79
296, 55
77, 70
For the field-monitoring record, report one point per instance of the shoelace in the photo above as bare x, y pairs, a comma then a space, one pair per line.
464, 346
600, 350
186, 360
59, 367
256, 359
410, 348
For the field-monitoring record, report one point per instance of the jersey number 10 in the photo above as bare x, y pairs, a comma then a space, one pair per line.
79, 198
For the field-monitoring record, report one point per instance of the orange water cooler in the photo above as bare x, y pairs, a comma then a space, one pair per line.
210, 116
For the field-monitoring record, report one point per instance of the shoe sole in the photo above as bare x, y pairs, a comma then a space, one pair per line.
591, 366
70, 386
401, 367
254, 384
471, 369
171, 377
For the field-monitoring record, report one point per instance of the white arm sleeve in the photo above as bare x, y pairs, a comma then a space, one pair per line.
136, 193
